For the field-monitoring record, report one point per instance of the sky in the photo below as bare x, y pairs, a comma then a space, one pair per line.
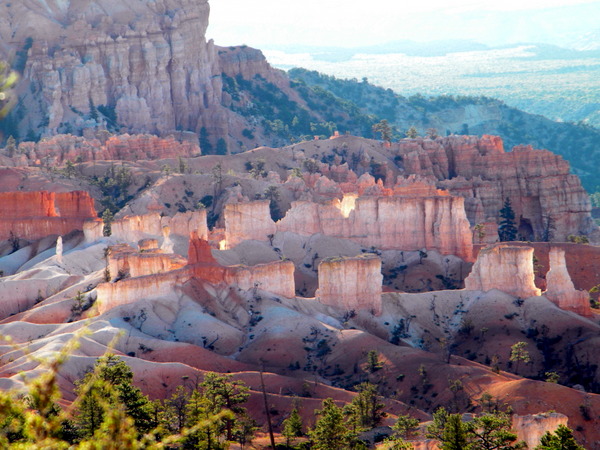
347, 23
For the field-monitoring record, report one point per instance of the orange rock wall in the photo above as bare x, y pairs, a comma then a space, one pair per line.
34, 215
351, 283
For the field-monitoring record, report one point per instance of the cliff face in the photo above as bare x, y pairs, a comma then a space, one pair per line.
506, 268
351, 283
58, 149
537, 182
149, 62
560, 288
34, 215
387, 222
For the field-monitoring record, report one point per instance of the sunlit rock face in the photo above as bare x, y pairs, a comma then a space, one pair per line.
560, 288
34, 215
351, 283
506, 268
148, 61
532, 427
387, 222
537, 182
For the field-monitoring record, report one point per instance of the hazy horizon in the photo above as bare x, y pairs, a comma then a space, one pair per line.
273, 24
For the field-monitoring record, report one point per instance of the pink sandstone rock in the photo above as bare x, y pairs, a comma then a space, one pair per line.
123, 260
133, 228
389, 222
560, 289
150, 277
251, 220
506, 268
351, 283
532, 427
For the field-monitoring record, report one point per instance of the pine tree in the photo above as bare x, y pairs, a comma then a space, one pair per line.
223, 392
561, 439
507, 230
292, 427
493, 431
330, 431
367, 407
107, 388
455, 434
383, 127
373, 363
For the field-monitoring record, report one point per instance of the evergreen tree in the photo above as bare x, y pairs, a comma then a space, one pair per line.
518, 354
11, 146
373, 363
330, 431
493, 432
412, 133
561, 439
406, 426
107, 388
223, 392
507, 230
435, 430
367, 407
455, 434
383, 127
292, 427
107, 218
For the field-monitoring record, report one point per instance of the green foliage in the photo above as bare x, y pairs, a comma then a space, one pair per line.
366, 409
373, 363
412, 133
292, 427
384, 129
455, 434
561, 439
493, 431
330, 431
405, 427
109, 412
107, 218
507, 230
518, 354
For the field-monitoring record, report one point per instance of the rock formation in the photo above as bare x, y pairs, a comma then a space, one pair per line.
58, 149
532, 427
537, 182
251, 220
34, 215
157, 275
147, 62
504, 267
132, 229
351, 283
124, 261
560, 289
390, 222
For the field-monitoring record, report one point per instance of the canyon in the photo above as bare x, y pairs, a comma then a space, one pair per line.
122, 229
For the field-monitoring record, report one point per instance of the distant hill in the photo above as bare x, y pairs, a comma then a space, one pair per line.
579, 144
